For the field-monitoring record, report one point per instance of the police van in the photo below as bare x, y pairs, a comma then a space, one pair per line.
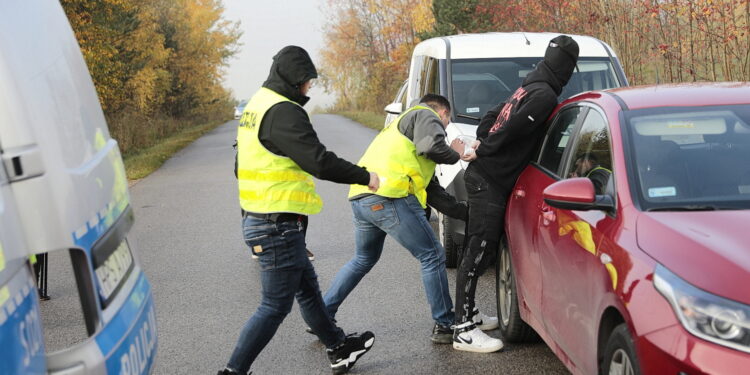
477, 72
63, 189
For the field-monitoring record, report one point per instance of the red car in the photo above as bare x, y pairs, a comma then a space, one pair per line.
628, 238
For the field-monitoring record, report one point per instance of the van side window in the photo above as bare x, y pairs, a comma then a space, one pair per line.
417, 91
558, 139
432, 82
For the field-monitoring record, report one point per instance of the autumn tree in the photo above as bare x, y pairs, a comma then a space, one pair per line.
368, 49
157, 64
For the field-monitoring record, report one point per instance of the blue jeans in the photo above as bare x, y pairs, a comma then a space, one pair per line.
286, 273
405, 220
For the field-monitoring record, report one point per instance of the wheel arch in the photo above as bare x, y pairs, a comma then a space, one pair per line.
611, 318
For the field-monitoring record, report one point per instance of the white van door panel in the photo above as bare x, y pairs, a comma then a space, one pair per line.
50, 120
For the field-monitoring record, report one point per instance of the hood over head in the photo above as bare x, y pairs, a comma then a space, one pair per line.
292, 66
557, 67
561, 57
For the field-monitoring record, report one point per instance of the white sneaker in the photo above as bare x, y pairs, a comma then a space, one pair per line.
484, 322
471, 339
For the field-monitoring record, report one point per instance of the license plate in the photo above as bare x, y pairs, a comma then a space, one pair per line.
114, 270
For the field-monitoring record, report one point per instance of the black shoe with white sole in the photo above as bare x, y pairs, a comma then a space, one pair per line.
347, 353
441, 334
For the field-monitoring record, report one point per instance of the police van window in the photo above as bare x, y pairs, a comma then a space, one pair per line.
558, 139
592, 157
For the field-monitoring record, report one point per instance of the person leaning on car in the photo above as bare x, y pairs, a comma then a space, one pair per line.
278, 152
508, 134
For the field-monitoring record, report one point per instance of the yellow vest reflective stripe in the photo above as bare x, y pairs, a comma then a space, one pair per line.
394, 158
268, 182
598, 168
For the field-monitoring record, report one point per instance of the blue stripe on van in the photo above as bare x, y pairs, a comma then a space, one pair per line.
21, 337
87, 235
128, 341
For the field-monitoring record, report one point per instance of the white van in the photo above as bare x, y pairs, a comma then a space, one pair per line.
477, 72
63, 189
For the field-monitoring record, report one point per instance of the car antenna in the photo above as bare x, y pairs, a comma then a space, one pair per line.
528, 43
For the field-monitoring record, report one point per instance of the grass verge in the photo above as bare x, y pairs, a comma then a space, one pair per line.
141, 163
369, 119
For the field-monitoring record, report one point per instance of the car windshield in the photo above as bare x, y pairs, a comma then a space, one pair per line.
691, 158
480, 84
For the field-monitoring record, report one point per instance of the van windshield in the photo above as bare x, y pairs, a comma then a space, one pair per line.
481, 84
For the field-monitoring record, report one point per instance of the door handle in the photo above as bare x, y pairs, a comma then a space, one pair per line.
548, 216
22, 163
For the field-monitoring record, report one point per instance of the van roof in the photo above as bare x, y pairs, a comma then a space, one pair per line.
499, 45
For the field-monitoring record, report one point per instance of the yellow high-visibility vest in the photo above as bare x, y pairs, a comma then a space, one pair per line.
268, 182
394, 158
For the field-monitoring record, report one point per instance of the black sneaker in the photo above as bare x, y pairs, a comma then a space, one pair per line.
441, 334
347, 353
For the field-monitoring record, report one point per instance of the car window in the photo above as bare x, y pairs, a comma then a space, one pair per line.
592, 157
558, 139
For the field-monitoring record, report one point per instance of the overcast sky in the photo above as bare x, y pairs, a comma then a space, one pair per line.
267, 27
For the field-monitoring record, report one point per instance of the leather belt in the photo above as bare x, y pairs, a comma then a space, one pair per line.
277, 217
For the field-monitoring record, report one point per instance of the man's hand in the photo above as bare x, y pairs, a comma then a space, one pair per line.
469, 155
458, 146
374, 184
475, 144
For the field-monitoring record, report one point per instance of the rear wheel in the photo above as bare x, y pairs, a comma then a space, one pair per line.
452, 247
619, 354
513, 328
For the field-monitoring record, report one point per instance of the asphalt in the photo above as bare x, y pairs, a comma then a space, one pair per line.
187, 238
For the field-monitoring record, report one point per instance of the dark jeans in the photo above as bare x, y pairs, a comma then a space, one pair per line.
485, 226
286, 273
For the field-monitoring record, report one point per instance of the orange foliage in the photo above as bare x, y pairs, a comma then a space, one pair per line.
368, 48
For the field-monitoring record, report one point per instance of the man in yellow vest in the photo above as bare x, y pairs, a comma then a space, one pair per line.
404, 155
278, 155
587, 165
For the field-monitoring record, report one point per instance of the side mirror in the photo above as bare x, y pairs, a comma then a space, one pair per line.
394, 108
576, 194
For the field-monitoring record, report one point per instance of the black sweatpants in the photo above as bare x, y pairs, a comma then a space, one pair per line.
487, 204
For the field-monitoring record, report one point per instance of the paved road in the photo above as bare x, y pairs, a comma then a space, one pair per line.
187, 236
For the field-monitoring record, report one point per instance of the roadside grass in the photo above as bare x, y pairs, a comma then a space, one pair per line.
369, 119
141, 163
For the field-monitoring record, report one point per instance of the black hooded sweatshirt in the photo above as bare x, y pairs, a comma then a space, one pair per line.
510, 132
286, 129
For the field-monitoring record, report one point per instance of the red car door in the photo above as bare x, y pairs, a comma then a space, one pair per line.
569, 250
523, 219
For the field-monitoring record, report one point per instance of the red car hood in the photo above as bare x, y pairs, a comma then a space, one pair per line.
708, 249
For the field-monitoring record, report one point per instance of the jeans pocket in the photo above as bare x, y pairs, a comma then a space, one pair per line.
382, 212
264, 247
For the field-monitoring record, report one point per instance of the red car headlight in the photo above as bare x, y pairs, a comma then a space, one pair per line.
705, 315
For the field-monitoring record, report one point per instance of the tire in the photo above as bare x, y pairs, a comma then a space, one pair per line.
619, 354
512, 327
452, 248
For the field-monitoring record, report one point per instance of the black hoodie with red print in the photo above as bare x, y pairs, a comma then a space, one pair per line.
510, 132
